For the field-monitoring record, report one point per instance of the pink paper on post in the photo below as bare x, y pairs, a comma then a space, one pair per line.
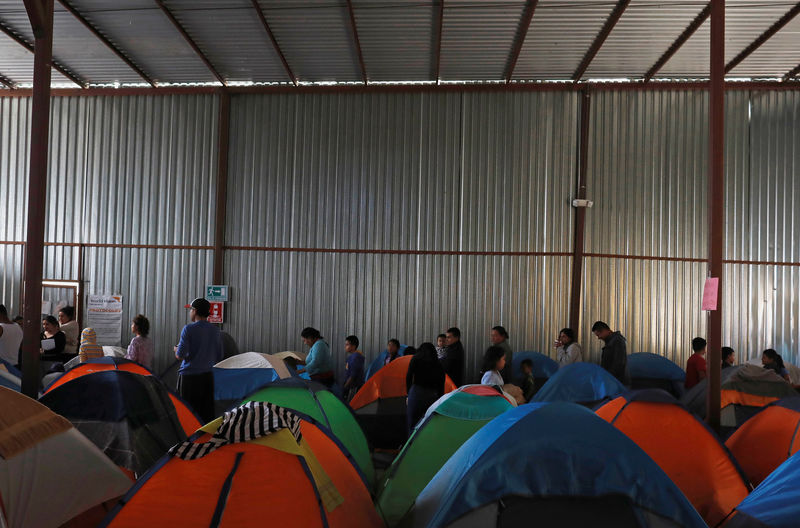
711, 293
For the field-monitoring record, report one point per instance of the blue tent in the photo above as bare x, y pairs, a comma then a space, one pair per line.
775, 503
11, 368
653, 371
585, 383
543, 366
553, 464
377, 363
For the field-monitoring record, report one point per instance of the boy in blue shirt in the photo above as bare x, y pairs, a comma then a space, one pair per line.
354, 368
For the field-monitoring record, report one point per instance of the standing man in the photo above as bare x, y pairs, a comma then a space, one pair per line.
200, 348
453, 361
10, 338
615, 352
696, 365
499, 338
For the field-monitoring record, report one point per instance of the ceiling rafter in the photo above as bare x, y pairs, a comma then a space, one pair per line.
357, 41
111, 46
5, 81
191, 42
54, 63
438, 46
612, 20
263, 19
522, 32
792, 74
680, 41
765, 36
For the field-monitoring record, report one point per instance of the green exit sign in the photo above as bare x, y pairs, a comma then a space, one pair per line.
217, 293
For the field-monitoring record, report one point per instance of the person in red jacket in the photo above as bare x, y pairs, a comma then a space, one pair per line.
696, 366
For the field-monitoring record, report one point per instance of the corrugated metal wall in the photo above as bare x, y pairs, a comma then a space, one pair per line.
363, 174
123, 170
410, 172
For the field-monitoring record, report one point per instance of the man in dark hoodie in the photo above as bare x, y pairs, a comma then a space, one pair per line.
453, 360
615, 352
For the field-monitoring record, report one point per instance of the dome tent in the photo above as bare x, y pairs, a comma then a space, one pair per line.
449, 422
683, 447
284, 471
312, 399
653, 371
43, 461
767, 439
557, 464
584, 383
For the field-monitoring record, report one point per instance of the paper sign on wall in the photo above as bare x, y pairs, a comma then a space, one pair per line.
104, 315
711, 293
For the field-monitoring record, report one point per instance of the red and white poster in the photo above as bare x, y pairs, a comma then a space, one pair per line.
217, 312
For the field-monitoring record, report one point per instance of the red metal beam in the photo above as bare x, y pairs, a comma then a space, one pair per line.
357, 41
792, 74
438, 47
74, 12
272, 38
54, 63
765, 36
223, 128
522, 32
191, 42
716, 205
37, 190
580, 216
613, 18
680, 41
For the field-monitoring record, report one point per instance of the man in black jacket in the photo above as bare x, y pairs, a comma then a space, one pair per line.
615, 352
453, 360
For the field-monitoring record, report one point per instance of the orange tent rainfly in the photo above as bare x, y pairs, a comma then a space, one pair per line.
766, 440
260, 464
380, 405
688, 452
49, 472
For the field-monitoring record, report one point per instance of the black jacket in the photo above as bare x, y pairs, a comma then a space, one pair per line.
615, 358
453, 363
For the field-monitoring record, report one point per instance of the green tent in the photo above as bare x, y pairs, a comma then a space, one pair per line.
449, 422
317, 402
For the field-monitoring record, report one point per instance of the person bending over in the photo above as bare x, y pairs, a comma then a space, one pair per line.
615, 352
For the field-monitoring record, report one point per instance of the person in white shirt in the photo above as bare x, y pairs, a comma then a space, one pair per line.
568, 350
493, 362
10, 337
68, 325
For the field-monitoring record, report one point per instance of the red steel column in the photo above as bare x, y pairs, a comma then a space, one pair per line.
223, 127
37, 192
580, 217
716, 203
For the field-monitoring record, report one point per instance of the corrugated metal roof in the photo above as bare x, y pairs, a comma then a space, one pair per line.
559, 36
399, 40
477, 38
645, 31
232, 38
315, 37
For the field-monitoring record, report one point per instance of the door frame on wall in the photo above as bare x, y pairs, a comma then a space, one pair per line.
77, 291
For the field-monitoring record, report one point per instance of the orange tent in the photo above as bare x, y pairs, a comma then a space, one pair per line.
380, 405
688, 452
252, 484
189, 420
767, 439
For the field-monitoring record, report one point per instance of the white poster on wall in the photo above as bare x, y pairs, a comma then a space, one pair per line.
104, 315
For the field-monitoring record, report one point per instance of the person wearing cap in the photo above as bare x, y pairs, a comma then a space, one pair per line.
200, 348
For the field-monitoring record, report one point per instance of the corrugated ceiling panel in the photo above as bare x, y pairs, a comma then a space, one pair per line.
559, 36
16, 62
83, 53
315, 37
148, 37
745, 20
645, 31
776, 57
477, 39
397, 39
233, 39
519, 171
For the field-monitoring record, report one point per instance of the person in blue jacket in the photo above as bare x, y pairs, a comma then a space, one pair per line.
318, 361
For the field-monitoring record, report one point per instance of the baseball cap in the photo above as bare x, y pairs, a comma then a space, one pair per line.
202, 306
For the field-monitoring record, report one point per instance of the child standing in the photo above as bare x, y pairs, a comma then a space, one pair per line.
354, 368
528, 385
